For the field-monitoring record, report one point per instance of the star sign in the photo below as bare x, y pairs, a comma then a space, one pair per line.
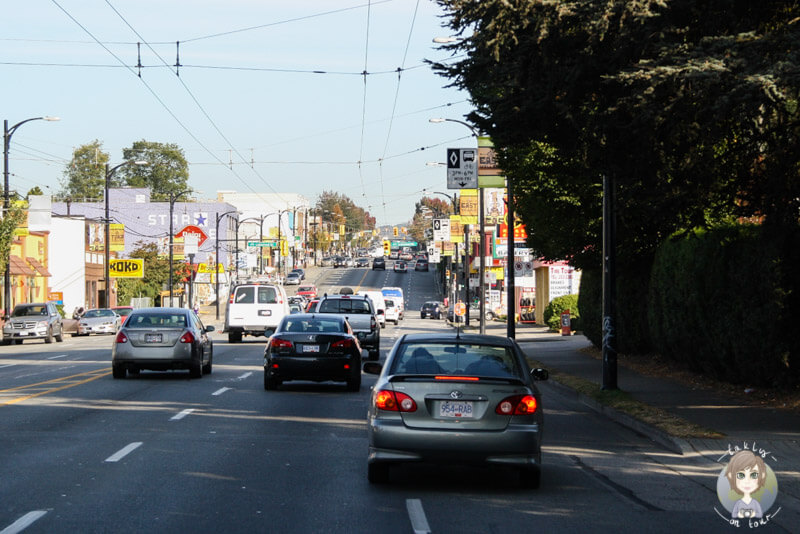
201, 221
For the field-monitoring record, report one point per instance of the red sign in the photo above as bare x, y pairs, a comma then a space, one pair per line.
192, 229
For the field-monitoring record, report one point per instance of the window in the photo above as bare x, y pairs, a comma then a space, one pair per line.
456, 359
245, 295
267, 295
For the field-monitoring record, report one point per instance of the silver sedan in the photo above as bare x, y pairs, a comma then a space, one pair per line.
99, 321
453, 398
162, 339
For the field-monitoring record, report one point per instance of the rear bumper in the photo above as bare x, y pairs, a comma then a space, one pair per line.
312, 368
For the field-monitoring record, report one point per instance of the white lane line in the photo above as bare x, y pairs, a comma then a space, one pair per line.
23, 522
417, 516
9, 365
181, 415
123, 452
245, 375
57, 357
220, 391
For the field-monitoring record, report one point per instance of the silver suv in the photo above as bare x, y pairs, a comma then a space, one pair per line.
39, 320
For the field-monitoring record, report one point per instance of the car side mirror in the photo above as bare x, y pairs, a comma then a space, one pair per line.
540, 374
210, 328
373, 368
380, 312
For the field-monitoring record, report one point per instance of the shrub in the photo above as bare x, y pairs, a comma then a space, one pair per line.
552, 313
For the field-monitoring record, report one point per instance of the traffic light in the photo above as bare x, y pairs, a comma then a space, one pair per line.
387, 248
394, 231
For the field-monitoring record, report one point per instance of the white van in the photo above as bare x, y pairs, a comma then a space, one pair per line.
254, 309
396, 293
380, 306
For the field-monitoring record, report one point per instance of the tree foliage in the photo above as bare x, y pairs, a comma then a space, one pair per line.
338, 209
12, 220
690, 106
156, 275
167, 171
425, 210
85, 177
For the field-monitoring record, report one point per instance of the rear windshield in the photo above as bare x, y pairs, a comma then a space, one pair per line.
98, 313
248, 295
312, 325
165, 320
356, 306
455, 359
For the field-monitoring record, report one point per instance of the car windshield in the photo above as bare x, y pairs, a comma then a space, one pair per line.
29, 310
311, 325
98, 313
455, 359
165, 320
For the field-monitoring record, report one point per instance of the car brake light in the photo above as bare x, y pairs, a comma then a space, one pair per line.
121, 338
394, 401
517, 405
458, 378
342, 344
278, 343
188, 337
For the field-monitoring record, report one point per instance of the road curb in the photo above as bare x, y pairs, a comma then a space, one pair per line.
671, 443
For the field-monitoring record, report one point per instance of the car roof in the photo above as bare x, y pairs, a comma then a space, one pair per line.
479, 339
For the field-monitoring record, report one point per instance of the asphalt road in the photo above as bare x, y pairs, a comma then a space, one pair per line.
82, 452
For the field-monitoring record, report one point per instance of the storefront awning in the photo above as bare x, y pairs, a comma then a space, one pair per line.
18, 267
37, 265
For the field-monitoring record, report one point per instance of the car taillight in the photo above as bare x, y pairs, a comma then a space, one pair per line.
121, 338
277, 343
517, 405
373, 324
188, 337
394, 401
342, 344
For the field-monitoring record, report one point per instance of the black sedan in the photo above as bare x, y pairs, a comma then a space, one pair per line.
431, 309
312, 347
379, 263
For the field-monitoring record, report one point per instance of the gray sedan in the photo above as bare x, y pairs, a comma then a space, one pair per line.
454, 398
99, 321
162, 339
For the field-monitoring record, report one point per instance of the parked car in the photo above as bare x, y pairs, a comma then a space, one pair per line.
99, 321
476, 387
162, 339
308, 291
123, 312
400, 266
379, 263
254, 310
431, 309
313, 347
421, 265
40, 320
292, 279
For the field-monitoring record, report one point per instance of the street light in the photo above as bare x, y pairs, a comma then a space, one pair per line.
216, 259
107, 247
7, 133
280, 212
173, 197
481, 230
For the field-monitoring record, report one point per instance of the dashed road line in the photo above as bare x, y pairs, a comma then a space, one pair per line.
23, 522
220, 391
181, 415
244, 375
123, 452
417, 516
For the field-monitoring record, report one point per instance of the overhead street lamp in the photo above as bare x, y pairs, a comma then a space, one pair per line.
481, 225
107, 247
7, 133
216, 259
173, 197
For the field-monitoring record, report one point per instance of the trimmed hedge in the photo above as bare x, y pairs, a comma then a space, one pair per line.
552, 313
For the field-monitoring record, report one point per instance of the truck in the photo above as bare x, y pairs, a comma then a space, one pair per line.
254, 309
359, 312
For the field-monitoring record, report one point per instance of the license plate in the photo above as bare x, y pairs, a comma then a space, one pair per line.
310, 348
152, 338
456, 409
264, 313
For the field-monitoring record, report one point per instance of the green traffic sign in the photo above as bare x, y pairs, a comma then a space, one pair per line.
271, 244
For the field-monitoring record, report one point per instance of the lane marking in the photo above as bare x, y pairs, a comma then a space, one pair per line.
244, 375
417, 516
23, 522
181, 415
9, 365
68, 381
221, 391
57, 357
123, 452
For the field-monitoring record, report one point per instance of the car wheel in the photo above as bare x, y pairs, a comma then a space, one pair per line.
421, 316
354, 382
49, 337
270, 382
374, 354
134, 371
17, 342
234, 337
118, 371
197, 369
530, 478
6, 342
378, 473
60, 336
207, 367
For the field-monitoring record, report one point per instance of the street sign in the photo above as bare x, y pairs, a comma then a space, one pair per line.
441, 229
462, 168
190, 242
133, 268
192, 229
270, 244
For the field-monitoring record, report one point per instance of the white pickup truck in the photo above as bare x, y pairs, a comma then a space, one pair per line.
359, 311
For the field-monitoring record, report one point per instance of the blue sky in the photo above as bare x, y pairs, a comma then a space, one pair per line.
247, 107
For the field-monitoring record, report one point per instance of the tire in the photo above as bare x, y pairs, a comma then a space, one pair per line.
530, 478
270, 382
17, 342
489, 316
6, 342
118, 371
134, 371
196, 370
374, 354
378, 473
207, 367
60, 336
354, 382
49, 337
234, 337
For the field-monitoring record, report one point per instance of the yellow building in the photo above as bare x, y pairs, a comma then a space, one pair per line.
27, 265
